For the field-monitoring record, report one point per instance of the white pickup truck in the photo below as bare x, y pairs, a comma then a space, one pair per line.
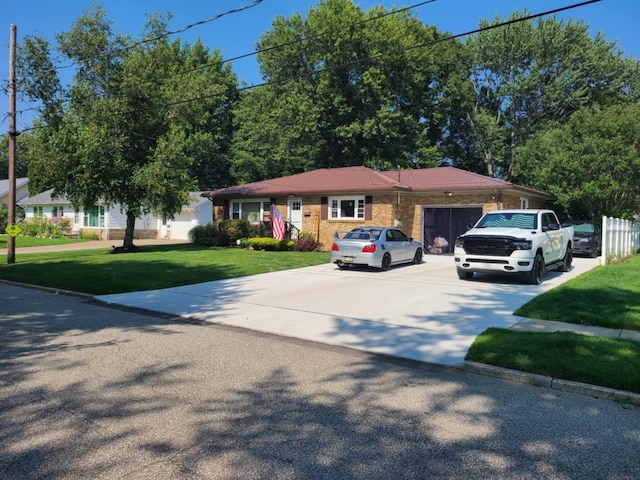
526, 242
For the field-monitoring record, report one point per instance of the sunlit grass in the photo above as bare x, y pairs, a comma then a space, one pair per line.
160, 266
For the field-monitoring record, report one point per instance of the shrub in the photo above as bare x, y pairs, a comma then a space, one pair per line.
307, 243
206, 235
4, 217
41, 227
89, 236
232, 230
271, 244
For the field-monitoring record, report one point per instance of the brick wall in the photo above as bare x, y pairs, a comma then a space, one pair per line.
407, 208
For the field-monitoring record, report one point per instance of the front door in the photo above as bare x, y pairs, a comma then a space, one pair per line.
295, 216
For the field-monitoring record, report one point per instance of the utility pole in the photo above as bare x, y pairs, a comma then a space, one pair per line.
11, 241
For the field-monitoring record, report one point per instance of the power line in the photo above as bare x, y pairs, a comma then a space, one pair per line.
374, 57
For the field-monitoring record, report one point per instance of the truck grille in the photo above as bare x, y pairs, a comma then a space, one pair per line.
494, 246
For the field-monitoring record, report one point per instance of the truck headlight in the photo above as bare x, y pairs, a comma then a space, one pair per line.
459, 242
523, 244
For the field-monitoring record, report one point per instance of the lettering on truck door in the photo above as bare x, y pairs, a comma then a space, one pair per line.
554, 238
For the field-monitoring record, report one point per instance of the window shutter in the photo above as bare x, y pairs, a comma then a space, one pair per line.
368, 207
225, 208
324, 208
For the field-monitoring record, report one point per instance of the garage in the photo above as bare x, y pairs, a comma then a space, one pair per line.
443, 224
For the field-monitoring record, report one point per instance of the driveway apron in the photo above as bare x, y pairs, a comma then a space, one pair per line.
419, 312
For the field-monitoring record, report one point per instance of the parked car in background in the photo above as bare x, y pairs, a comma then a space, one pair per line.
587, 237
379, 247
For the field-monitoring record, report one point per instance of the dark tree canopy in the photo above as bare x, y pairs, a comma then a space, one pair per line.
346, 87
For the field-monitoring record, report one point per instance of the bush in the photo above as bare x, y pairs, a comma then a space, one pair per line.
307, 243
232, 230
270, 244
206, 235
4, 217
41, 227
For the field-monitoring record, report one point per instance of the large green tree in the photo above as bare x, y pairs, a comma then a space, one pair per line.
140, 123
532, 73
21, 158
347, 87
591, 164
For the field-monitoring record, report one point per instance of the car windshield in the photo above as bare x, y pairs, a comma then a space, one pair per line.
508, 220
583, 227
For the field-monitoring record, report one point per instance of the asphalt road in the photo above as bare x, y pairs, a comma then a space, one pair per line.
89, 391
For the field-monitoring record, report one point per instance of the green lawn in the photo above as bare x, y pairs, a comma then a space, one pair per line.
22, 241
607, 296
99, 272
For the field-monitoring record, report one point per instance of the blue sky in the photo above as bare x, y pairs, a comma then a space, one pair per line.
236, 34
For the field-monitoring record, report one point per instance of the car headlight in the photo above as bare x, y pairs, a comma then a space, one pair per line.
459, 242
522, 244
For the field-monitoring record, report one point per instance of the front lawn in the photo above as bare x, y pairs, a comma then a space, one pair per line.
99, 272
600, 361
22, 241
607, 296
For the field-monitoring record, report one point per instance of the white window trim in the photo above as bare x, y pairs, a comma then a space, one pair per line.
359, 210
524, 203
264, 212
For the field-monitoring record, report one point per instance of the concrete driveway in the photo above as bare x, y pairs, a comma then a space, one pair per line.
420, 312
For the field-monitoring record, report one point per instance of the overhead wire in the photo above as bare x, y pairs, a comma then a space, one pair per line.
374, 57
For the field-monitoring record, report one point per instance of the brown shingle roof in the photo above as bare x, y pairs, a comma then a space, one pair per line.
364, 180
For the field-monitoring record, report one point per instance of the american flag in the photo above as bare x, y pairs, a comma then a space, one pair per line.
278, 224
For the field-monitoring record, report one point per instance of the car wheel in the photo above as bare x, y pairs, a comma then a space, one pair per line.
534, 277
464, 275
565, 266
417, 258
386, 261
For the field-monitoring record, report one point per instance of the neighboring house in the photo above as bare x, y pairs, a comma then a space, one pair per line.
22, 190
432, 205
197, 212
110, 223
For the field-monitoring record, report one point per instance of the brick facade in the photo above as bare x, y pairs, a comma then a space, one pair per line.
407, 208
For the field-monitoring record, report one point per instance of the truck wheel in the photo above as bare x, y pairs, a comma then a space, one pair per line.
386, 261
565, 266
534, 277
464, 275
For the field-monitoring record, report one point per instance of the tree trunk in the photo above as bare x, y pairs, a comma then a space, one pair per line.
128, 233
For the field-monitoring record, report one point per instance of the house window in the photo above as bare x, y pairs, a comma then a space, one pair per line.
253, 211
58, 211
94, 217
346, 208
524, 203
37, 211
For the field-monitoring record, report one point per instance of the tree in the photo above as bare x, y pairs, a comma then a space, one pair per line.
136, 122
346, 87
21, 158
528, 74
591, 164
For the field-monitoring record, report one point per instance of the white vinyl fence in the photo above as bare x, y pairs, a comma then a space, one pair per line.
620, 239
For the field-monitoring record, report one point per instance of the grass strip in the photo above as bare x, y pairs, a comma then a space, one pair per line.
98, 272
607, 362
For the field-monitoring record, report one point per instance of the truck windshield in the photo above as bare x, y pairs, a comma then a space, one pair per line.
527, 221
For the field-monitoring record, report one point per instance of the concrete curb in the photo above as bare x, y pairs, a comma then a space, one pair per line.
555, 383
